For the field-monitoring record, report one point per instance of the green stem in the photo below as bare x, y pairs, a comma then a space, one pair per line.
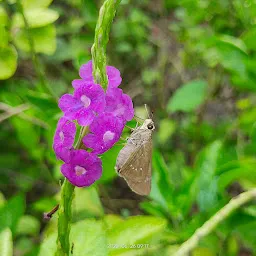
37, 65
214, 221
65, 216
106, 16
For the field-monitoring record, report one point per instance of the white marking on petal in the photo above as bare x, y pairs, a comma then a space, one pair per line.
119, 111
61, 134
80, 170
85, 100
108, 135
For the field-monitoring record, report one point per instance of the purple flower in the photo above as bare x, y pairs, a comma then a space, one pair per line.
83, 169
106, 131
88, 100
114, 77
64, 138
119, 104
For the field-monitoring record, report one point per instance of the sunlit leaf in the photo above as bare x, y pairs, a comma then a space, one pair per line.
6, 245
32, 4
36, 17
188, 97
88, 238
44, 39
8, 62
87, 203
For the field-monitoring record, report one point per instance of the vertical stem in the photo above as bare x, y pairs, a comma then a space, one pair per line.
65, 216
36, 62
106, 16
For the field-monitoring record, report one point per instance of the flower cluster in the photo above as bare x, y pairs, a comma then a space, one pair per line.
105, 113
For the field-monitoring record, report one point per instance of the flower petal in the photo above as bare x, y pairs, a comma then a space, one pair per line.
85, 117
85, 72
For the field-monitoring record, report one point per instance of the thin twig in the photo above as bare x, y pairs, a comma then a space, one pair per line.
14, 111
10, 110
214, 221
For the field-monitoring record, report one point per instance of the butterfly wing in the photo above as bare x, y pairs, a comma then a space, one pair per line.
137, 169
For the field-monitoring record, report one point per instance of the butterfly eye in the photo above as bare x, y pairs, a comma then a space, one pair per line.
150, 126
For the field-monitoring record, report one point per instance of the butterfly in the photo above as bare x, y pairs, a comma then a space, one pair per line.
134, 161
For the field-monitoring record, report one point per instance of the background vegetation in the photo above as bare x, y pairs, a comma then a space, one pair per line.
193, 62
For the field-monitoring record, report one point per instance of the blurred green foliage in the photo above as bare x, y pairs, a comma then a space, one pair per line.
193, 62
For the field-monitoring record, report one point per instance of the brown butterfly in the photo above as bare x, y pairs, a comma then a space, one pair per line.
135, 159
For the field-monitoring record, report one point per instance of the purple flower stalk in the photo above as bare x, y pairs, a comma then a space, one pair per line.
84, 169
104, 113
106, 131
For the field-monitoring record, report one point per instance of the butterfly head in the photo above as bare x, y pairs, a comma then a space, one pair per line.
148, 124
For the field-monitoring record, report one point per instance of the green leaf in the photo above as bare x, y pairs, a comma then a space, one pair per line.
36, 18
44, 39
236, 42
4, 36
88, 238
3, 17
249, 38
111, 220
28, 136
43, 102
236, 171
28, 225
11, 212
206, 166
86, 203
8, 62
48, 246
188, 97
135, 230
2, 200
32, 4
6, 245
200, 251
166, 129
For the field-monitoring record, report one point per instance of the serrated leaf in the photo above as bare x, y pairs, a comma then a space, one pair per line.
188, 97
8, 62
36, 18
44, 39
6, 244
